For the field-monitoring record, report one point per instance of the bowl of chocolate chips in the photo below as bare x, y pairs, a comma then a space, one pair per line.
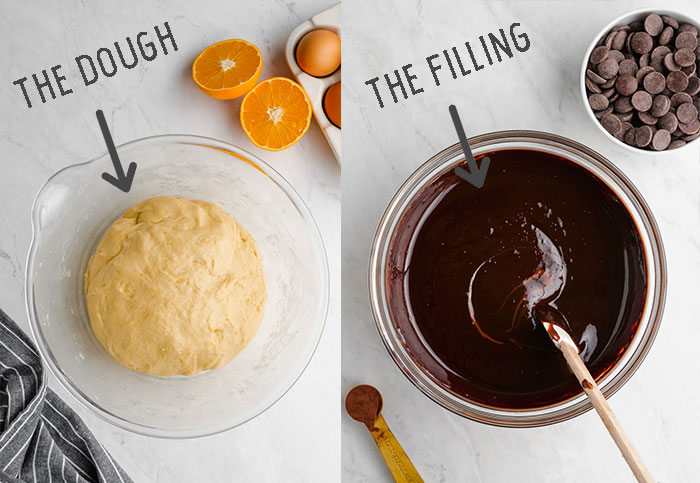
640, 80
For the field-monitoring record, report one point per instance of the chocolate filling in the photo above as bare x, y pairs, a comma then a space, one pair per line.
468, 266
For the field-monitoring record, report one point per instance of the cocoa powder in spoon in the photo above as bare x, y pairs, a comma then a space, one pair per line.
363, 404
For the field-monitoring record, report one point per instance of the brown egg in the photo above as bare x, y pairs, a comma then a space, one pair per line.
318, 53
331, 103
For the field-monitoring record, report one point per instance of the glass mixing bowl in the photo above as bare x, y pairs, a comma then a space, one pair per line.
71, 213
605, 171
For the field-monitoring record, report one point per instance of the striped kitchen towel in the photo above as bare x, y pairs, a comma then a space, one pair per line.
42, 439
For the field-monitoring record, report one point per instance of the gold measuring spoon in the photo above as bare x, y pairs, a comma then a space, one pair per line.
364, 404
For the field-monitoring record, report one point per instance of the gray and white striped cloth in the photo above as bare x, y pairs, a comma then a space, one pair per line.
42, 439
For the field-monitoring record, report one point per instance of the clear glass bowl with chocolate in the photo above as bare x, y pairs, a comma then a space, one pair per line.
456, 273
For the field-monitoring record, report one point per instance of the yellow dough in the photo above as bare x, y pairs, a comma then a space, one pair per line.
175, 286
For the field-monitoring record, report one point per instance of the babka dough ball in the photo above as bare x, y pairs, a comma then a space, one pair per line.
176, 286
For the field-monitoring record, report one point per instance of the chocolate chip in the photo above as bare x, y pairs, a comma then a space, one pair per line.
693, 86
653, 24
690, 69
636, 26
691, 137
626, 116
666, 36
608, 68
684, 57
686, 40
594, 77
647, 118
687, 112
609, 39
611, 123
676, 143
626, 84
620, 134
642, 72
599, 114
641, 101
679, 98
599, 54
660, 105
641, 42
689, 127
654, 83
608, 83
609, 92
623, 105
657, 63
644, 60
643, 136
677, 81
592, 86
660, 52
630, 135
619, 40
661, 140
670, 21
628, 66
598, 102
670, 64
686, 27
668, 122
616, 55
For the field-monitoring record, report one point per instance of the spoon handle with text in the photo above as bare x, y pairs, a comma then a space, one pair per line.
395, 457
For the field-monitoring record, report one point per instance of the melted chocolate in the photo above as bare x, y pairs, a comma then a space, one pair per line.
467, 268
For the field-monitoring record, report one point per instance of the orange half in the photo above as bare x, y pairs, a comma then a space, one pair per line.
276, 113
227, 69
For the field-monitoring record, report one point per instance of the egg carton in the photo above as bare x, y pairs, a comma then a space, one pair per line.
316, 87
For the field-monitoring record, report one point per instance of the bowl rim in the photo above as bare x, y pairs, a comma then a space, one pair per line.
613, 379
153, 431
584, 65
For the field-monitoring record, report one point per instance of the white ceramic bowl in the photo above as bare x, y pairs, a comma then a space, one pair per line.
626, 19
71, 213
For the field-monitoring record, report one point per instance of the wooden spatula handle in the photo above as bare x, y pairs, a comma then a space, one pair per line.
606, 414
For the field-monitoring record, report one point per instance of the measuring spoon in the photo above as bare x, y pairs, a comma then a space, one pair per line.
364, 404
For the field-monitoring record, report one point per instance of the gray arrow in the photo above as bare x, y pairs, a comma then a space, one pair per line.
476, 174
122, 181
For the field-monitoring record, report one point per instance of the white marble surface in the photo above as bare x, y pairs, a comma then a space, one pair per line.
535, 90
297, 439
